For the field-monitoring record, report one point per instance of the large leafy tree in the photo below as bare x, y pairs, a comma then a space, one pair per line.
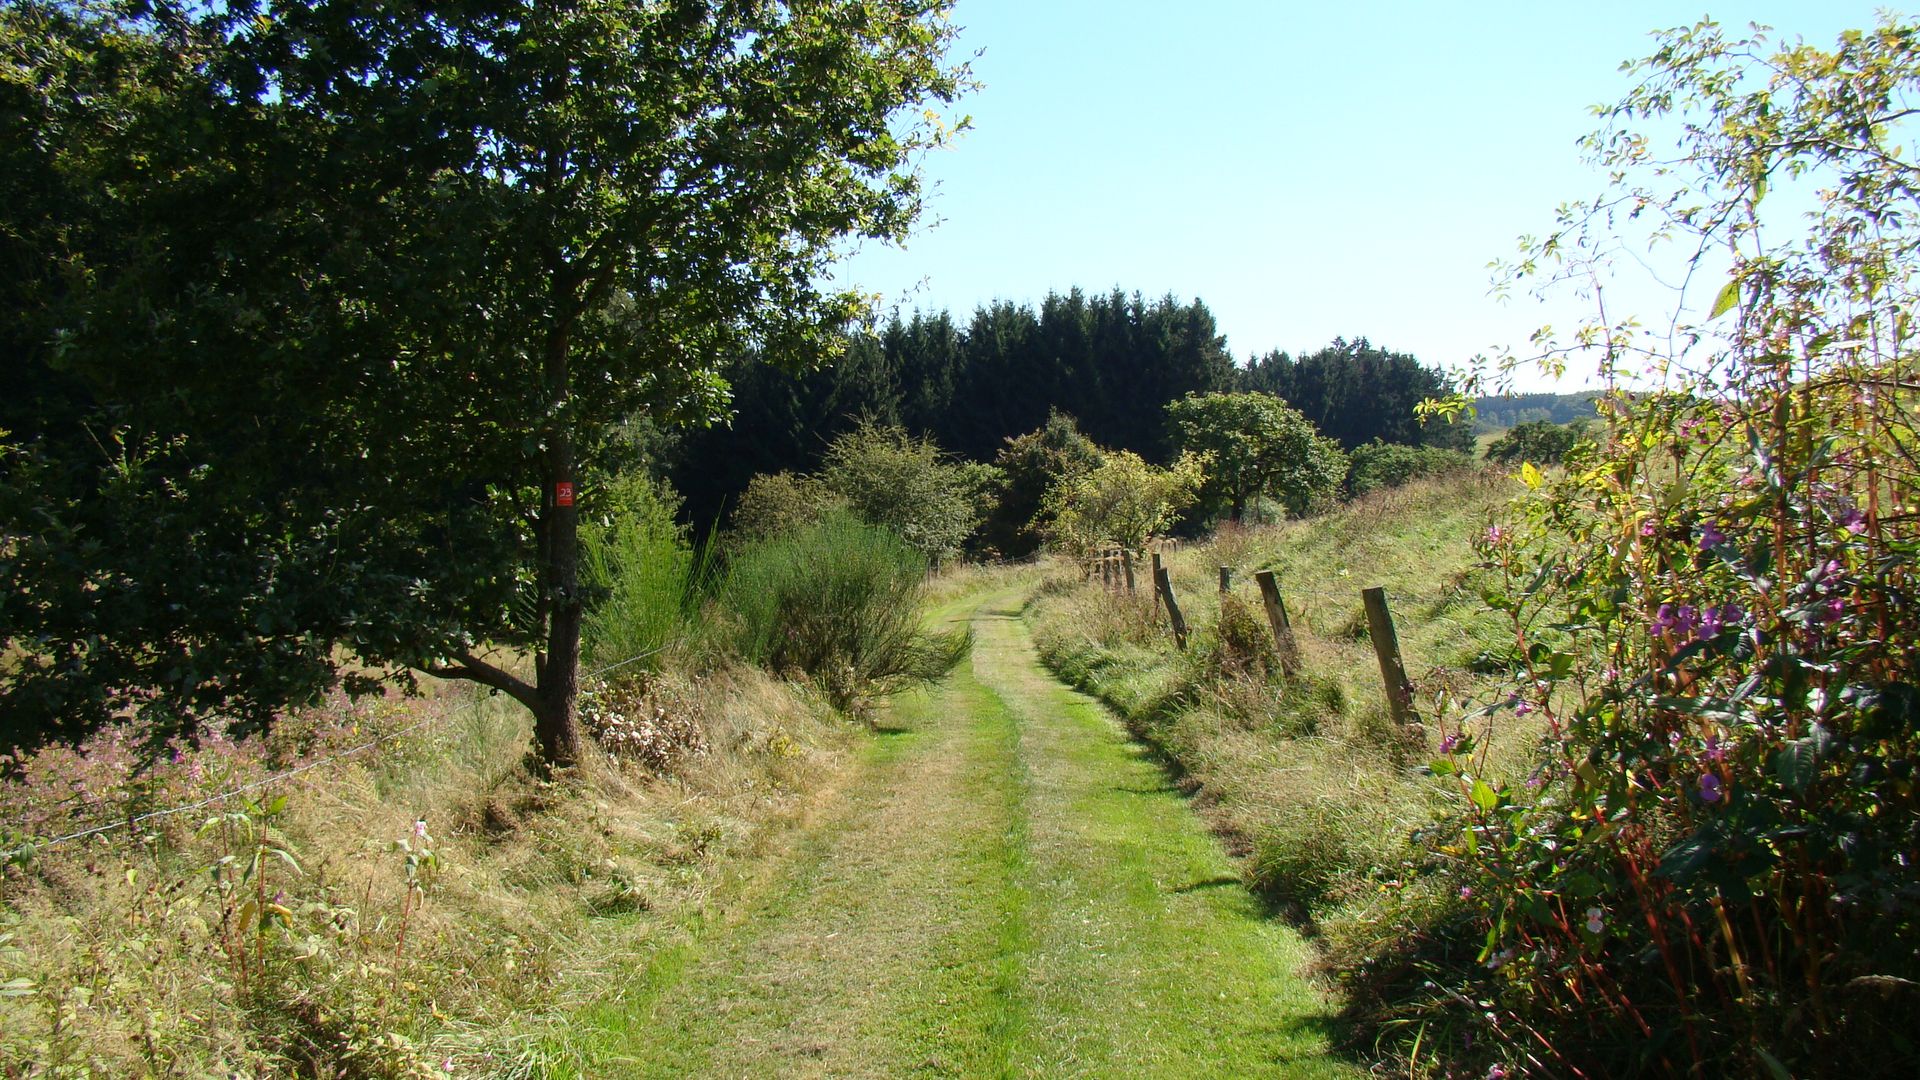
1258, 445
345, 304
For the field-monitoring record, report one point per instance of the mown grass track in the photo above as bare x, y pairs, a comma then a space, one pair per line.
1012, 888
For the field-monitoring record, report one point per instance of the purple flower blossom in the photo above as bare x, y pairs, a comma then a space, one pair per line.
1466, 891
1495, 535
1854, 521
1715, 619
1716, 751
1711, 790
1833, 610
1449, 743
1497, 1072
1711, 537
1649, 528
1596, 920
1678, 619
1522, 708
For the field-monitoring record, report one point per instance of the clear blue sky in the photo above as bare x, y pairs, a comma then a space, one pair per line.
1309, 170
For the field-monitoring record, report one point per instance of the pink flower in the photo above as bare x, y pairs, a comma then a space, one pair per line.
1711, 537
1854, 521
1495, 535
1596, 920
1711, 790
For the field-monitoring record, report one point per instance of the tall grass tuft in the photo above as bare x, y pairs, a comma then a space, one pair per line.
838, 602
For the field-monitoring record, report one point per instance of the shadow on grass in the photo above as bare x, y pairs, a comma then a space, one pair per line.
1221, 882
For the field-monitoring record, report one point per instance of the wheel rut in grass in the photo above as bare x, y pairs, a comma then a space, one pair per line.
1012, 889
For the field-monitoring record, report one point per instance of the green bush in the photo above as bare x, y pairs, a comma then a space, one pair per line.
643, 580
1380, 465
1539, 441
838, 602
782, 502
905, 484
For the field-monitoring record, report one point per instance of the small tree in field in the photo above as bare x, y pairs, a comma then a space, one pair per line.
905, 484
1258, 445
1123, 500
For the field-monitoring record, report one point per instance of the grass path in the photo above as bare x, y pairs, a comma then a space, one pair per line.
1011, 889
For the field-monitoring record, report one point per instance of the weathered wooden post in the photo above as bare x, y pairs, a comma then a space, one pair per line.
1106, 568
1156, 584
1126, 564
1386, 646
1226, 579
1164, 583
1289, 649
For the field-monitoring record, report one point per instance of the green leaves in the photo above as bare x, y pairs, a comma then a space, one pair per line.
1727, 300
1797, 763
1483, 796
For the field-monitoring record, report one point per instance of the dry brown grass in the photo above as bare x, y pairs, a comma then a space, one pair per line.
136, 963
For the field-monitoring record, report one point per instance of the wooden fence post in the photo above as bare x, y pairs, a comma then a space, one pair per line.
1282, 626
1126, 564
1164, 583
1386, 646
1226, 579
1156, 584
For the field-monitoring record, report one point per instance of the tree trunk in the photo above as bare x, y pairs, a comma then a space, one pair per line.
556, 729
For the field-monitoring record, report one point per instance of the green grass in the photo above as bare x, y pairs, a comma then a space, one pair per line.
1311, 778
1013, 888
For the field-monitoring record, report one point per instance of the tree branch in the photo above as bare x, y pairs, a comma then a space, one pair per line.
473, 668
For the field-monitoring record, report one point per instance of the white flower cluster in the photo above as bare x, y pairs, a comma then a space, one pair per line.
628, 723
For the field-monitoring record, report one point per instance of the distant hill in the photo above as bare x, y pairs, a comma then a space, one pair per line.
1500, 413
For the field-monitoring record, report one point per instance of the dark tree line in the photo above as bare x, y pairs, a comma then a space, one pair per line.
1501, 413
1112, 361
1357, 393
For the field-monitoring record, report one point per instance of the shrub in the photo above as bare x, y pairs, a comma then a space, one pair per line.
837, 601
1380, 465
782, 502
905, 484
1541, 442
643, 580
1710, 872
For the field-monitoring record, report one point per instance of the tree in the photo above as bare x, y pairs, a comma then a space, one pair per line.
1031, 464
371, 288
1122, 500
895, 481
1258, 445
1542, 442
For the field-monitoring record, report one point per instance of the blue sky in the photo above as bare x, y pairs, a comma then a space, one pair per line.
1308, 170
